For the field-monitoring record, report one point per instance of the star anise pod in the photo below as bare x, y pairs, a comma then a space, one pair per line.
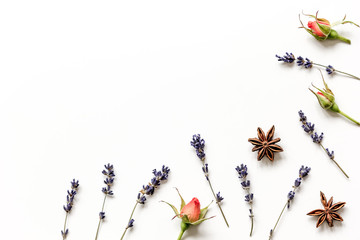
329, 212
265, 144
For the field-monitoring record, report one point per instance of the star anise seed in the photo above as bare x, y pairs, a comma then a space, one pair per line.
265, 144
329, 212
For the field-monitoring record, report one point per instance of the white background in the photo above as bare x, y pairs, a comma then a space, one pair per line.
85, 83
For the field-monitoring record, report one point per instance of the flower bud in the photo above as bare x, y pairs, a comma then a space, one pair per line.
191, 210
321, 28
326, 97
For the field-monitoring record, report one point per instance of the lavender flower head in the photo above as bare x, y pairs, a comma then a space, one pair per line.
309, 128
249, 197
109, 173
149, 189
287, 58
199, 144
69, 204
109, 181
307, 63
303, 172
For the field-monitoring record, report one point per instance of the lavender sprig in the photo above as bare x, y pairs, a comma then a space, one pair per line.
155, 182
307, 63
309, 128
242, 171
109, 173
69, 204
303, 172
199, 144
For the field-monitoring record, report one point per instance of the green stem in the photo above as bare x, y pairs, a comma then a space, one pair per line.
273, 230
335, 162
251, 212
184, 227
102, 209
66, 216
180, 235
341, 38
132, 213
252, 225
212, 190
348, 117
348, 74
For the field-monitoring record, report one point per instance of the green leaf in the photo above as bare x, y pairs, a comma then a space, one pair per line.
344, 22
201, 220
204, 211
185, 219
182, 200
173, 208
324, 28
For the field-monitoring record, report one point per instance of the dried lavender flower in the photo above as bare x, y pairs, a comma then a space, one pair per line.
242, 172
69, 204
219, 198
149, 189
310, 129
199, 144
109, 180
307, 63
303, 172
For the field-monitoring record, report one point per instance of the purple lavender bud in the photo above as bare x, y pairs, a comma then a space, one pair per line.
304, 171
245, 184
317, 138
302, 116
249, 197
131, 223
331, 155
219, 198
330, 69
242, 171
102, 215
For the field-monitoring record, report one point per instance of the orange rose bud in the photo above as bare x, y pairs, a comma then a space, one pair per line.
191, 210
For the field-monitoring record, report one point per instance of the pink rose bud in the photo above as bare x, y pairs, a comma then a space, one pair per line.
326, 100
190, 214
321, 28
191, 210
316, 29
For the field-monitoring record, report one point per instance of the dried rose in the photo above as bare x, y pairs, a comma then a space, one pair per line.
326, 100
321, 28
190, 214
